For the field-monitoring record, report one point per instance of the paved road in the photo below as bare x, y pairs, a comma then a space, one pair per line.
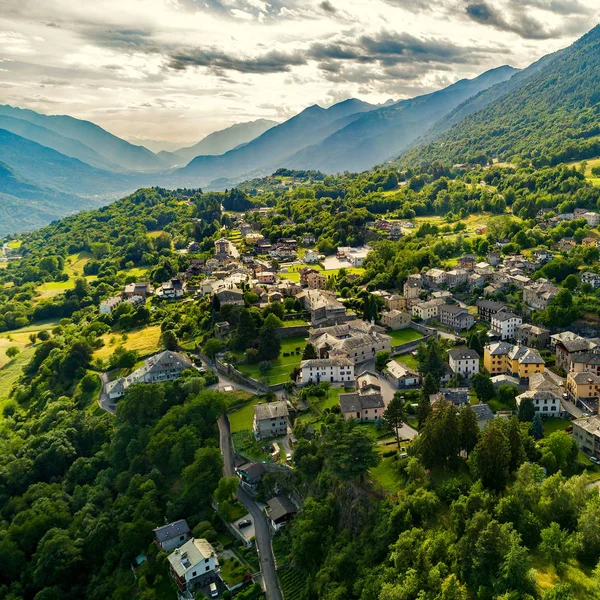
261, 527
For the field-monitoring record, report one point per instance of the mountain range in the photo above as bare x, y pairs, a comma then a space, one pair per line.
549, 112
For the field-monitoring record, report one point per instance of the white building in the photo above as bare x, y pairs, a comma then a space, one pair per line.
592, 278
400, 375
270, 419
506, 325
463, 361
311, 257
107, 306
173, 535
592, 218
333, 370
164, 366
547, 404
195, 564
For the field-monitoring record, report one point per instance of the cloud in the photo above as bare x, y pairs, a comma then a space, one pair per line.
328, 7
385, 49
517, 17
218, 60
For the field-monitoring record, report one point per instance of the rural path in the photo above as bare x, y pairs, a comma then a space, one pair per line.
261, 527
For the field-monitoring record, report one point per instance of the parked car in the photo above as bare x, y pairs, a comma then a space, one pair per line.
244, 523
595, 460
288, 457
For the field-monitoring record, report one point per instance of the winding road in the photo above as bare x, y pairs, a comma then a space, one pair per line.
262, 531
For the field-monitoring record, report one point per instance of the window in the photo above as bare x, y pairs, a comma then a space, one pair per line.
181, 537
207, 569
194, 574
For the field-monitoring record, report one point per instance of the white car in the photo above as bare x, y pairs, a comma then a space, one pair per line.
288, 457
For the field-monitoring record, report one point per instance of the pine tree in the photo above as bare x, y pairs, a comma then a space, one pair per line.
394, 415
309, 352
269, 344
537, 429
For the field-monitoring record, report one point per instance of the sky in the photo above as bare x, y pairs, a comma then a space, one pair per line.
176, 70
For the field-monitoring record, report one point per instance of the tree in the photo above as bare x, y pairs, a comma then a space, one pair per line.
431, 359
490, 458
556, 545
212, 347
394, 415
430, 386
562, 447
169, 340
226, 489
309, 352
269, 344
468, 429
438, 439
381, 359
350, 451
483, 386
571, 282
537, 429
246, 330
265, 367
453, 589
12, 351
526, 411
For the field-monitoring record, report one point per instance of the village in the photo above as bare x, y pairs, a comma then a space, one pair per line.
338, 357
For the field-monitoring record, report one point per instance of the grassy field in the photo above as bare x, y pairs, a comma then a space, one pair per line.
241, 418
403, 336
283, 366
10, 370
54, 288
295, 323
146, 341
75, 262
385, 475
15, 244
409, 360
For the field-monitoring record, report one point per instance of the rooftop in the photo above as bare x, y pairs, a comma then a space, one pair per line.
271, 410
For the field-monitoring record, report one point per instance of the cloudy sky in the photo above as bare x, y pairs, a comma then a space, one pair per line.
179, 69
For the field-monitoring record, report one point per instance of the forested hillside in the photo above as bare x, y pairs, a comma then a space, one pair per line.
551, 117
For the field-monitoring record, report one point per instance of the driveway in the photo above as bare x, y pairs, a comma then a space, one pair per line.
261, 527
104, 402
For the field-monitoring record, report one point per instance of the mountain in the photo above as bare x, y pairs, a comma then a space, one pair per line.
155, 146
25, 206
52, 169
60, 143
380, 134
267, 151
113, 149
222, 141
550, 114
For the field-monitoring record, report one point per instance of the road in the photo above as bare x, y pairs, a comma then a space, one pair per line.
261, 527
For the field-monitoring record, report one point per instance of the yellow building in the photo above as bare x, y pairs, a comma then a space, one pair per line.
519, 361
583, 385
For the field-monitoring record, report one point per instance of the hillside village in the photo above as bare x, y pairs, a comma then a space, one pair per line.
308, 347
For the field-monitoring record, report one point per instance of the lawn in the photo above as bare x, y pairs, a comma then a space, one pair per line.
241, 418
146, 341
295, 323
283, 366
15, 244
386, 476
54, 288
403, 336
555, 424
409, 360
